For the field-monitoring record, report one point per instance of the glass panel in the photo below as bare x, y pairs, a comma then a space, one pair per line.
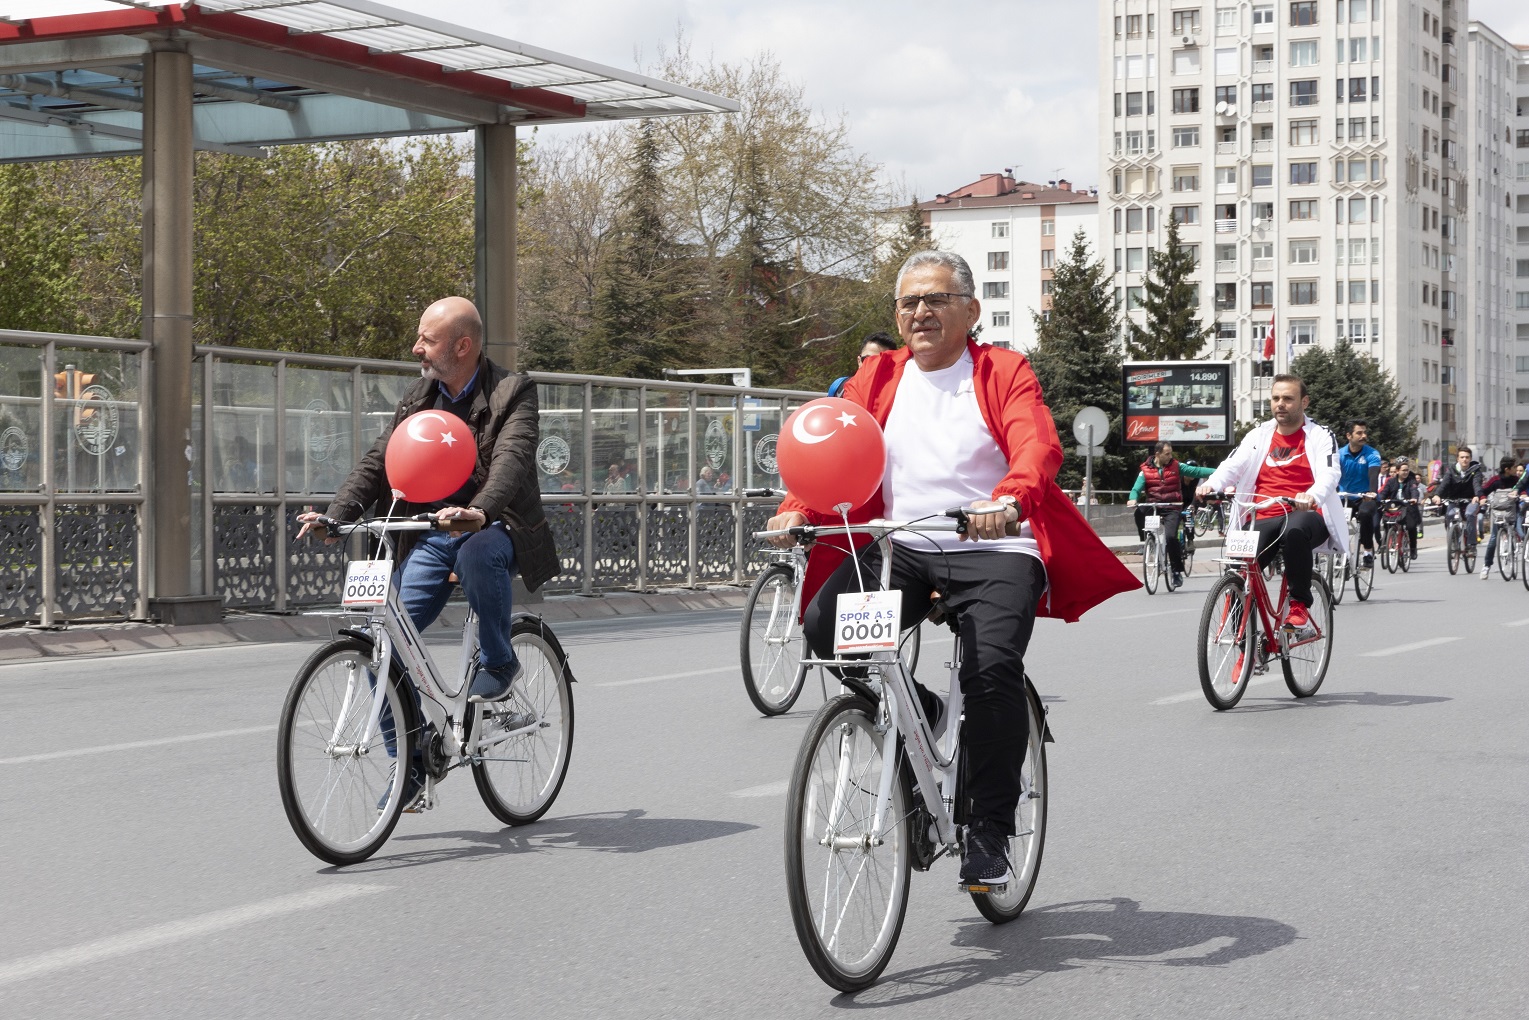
243, 427
380, 394
560, 452
667, 451
715, 423
613, 441
761, 430
318, 421
20, 418
198, 536
95, 421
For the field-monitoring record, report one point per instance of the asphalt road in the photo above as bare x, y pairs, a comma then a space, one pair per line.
1360, 854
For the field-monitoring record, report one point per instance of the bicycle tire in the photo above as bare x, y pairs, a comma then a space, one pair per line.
520, 776
1404, 548
1364, 577
1201, 522
1456, 553
909, 645
1468, 551
1338, 585
1028, 843
770, 643
1507, 566
331, 798
1388, 548
840, 765
1228, 642
1305, 665
1523, 567
1149, 562
1188, 553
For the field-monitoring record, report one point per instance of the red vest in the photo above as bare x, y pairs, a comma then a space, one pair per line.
1163, 484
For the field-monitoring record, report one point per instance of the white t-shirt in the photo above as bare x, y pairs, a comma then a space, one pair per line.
941, 454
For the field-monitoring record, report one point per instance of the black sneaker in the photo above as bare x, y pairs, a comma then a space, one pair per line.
985, 858
413, 788
494, 684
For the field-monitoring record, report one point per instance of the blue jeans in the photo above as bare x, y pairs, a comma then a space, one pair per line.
1497, 530
484, 562
1470, 519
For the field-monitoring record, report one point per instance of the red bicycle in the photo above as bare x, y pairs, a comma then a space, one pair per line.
1242, 626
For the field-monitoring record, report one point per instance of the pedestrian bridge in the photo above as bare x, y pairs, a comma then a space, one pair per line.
620, 460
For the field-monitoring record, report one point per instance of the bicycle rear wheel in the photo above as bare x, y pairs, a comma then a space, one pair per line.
1305, 664
1189, 552
1507, 559
848, 892
1456, 553
1404, 547
1468, 547
1523, 567
770, 642
521, 745
1388, 548
1364, 576
1202, 521
1228, 642
1149, 563
1029, 839
340, 786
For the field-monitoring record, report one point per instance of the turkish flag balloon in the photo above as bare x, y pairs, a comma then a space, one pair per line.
831, 454
430, 455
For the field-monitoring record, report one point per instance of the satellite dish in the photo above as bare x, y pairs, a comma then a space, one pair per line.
1221, 108
1257, 222
1231, 111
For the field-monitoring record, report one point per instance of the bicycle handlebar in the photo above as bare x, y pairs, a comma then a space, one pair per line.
762, 493
955, 520
380, 525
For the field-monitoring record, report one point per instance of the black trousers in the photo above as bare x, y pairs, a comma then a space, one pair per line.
1303, 531
1368, 512
1169, 534
995, 595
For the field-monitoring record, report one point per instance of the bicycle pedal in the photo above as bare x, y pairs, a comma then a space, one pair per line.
986, 888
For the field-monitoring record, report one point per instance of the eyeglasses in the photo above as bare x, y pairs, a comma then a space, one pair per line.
908, 303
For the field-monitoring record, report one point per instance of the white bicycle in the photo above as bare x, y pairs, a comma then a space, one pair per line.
373, 698
873, 795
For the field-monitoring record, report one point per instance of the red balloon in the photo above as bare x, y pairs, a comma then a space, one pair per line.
831, 454
430, 455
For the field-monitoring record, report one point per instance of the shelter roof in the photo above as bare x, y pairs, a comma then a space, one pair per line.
275, 72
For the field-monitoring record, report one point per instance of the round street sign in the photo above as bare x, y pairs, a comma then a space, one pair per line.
1096, 417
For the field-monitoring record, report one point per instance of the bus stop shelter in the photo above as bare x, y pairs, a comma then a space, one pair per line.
162, 80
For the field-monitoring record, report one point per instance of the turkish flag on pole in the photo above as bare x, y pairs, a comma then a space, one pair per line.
1269, 340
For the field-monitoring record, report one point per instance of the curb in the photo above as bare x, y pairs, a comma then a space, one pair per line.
31, 644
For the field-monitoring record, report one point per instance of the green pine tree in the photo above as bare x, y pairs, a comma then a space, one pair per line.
1173, 331
1344, 385
1077, 360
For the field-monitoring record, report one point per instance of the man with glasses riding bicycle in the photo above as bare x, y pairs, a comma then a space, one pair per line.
1292, 456
1359, 465
966, 425
1162, 480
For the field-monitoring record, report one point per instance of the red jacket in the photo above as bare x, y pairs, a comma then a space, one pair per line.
1080, 571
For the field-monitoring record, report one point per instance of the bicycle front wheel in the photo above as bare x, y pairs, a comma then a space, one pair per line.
1228, 642
1305, 664
847, 865
1029, 838
1189, 552
1523, 567
1456, 553
520, 746
909, 645
1507, 557
1404, 547
1149, 563
1469, 551
770, 642
336, 758
1364, 576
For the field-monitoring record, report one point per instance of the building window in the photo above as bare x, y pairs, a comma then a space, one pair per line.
1001, 320
1358, 291
1303, 209
1262, 293
1302, 12
1357, 90
1186, 213
998, 260
995, 290
1048, 228
1263, 17
1133, 298
1047, 287
1226, 297
1186, 100
1135, 260
1186, 61
1303, 173
1303, 54
1303, 93
1186, 137
1303, 331
1262, 93
1001, 228
1186, 179
1226, 94
1134, 220
1186, 22
1303, 253
1303, 292
1133, 104
1263, 175
1048, 258
1304, 132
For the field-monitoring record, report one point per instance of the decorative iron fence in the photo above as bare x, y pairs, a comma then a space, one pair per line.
640, 479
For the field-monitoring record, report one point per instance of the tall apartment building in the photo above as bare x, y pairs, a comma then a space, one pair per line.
1521, 253
1312, 153
1010, 232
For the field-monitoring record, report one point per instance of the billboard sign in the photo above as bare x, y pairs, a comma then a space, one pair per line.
1180, 401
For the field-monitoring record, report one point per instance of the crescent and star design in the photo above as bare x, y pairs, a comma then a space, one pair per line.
417, 421
800, 434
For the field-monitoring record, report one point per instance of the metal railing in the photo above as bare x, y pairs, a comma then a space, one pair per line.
624, 466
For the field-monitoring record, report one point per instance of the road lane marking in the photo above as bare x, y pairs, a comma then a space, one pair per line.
1175, 699
1517, 623
668, 676
1165, 612
136, 744
767, 790
153, 937
1414, 646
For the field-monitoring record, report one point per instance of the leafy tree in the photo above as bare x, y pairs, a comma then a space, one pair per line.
39, 272
1077, 360
1173, 331
1344, 385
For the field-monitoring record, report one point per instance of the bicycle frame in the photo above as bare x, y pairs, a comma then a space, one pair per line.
1270, 612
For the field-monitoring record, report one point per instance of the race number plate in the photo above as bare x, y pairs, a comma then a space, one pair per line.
1152, 523
366, 583
1241, 545
867, 621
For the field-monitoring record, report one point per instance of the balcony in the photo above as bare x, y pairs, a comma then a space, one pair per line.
1226, 226
1264, 106
1263, 67
1263, 145
1226, 149
1226, 266
1263, 265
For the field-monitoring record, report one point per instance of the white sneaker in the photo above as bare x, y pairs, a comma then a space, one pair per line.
1485, 571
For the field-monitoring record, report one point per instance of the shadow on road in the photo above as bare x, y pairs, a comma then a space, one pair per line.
1367, 699
1068, 936
615, 832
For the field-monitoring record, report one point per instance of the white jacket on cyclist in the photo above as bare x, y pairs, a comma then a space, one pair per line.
1240, 471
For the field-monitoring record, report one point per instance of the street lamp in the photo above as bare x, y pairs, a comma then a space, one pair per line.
742, 377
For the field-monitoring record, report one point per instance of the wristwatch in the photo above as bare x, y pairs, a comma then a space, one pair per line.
1008, 500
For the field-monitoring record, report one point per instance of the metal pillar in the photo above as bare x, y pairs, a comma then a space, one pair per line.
495, 224
167, 308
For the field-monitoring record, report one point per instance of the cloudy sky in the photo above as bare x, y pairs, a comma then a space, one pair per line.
937, 93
